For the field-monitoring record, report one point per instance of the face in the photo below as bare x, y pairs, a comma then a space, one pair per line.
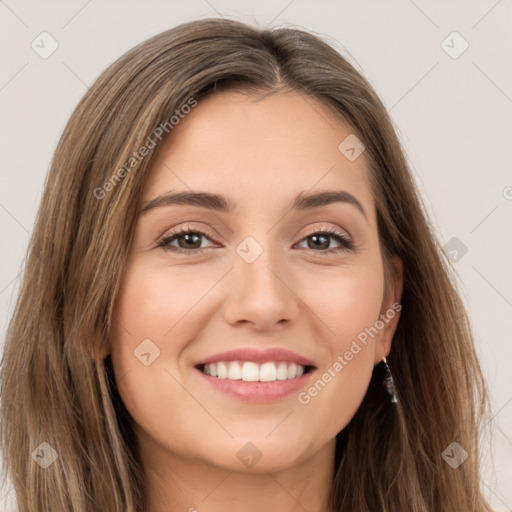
280, 299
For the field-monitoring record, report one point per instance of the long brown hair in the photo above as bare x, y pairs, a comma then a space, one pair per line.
56, 387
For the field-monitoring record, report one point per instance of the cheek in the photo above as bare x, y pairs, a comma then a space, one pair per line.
154, 304
155, 316
347, 305
345, 301
150, 315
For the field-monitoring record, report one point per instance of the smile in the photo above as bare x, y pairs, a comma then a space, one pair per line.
250, 371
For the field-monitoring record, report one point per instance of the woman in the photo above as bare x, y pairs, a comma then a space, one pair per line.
233, 299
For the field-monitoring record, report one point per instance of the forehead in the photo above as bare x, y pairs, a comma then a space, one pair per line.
259, 150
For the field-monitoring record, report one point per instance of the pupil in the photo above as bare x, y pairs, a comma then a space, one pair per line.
188, 237
323, 239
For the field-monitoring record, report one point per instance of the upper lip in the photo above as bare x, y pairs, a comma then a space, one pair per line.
257, 356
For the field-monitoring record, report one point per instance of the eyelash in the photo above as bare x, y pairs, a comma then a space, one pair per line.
164, 243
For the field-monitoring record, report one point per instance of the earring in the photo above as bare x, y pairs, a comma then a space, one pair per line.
389, 383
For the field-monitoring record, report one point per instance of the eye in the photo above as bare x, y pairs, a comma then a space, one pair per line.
319, 241
188, 240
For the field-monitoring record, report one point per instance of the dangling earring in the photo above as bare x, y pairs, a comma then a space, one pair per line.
389, 383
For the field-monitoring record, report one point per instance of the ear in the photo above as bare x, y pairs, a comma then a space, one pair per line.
390, 310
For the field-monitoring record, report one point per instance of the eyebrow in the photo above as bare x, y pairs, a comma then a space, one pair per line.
216, 202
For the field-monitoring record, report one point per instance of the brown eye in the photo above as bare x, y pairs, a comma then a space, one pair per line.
187, 241
321, 241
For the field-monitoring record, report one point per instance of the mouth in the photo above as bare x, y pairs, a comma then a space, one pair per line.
254, 375
250, 371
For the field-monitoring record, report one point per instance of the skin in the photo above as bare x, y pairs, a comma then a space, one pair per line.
260, 154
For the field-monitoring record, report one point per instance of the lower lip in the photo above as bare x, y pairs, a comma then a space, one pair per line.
257, 392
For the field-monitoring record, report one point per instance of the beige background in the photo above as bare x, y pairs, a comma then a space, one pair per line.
453, 115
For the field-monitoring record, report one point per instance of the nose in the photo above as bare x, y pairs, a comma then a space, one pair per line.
261, 294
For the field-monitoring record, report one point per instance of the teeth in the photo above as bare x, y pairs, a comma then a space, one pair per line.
235, 371
268, 372
249, 371
282, 371
222, 370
